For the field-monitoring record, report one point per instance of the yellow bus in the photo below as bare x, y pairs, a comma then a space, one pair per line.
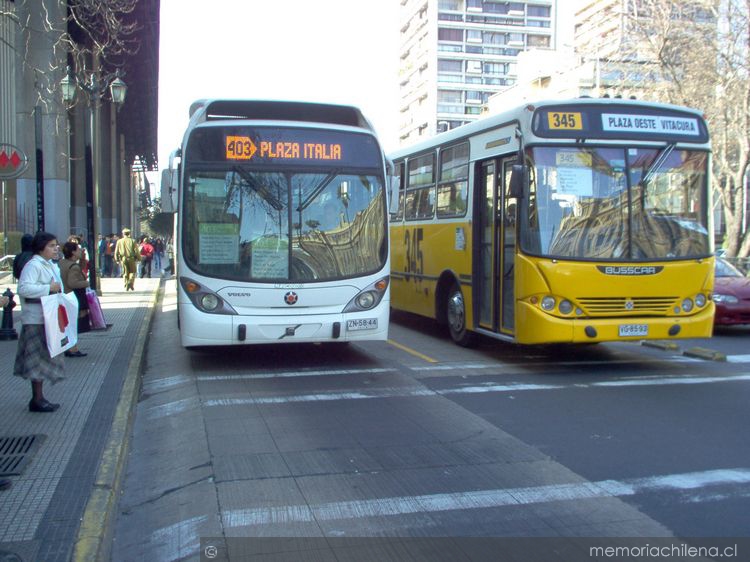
583, 220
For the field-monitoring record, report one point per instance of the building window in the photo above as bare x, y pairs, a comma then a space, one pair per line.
450, 96
538, 11
493, 38
473, 36
537, 40
447, 65
448, 34
474, 67
455, 5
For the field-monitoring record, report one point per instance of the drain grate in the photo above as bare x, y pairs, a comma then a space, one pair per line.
17, 452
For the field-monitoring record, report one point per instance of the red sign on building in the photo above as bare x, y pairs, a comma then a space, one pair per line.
13, 161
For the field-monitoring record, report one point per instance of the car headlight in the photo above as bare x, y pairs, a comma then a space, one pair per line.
725, 299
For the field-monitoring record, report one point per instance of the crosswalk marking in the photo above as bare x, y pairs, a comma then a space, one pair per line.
406, 391
481, 499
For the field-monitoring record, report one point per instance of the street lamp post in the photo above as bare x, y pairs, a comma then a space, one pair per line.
95, 87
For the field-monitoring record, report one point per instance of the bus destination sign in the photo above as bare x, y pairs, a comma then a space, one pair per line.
244, 148
618, 121
634, 123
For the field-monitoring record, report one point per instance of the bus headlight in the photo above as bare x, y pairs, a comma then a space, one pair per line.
369, 297
566, 307
687, 305
366, 300
700, 300
548, 303
210, 302
205, 299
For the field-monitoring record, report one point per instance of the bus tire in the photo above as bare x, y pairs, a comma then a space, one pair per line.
455, 313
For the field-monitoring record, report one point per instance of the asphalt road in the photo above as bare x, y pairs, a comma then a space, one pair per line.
420, 438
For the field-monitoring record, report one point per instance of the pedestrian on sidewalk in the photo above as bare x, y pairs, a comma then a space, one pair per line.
127, 255
74, 281
147, 254
5, 483
40, 277
24, 256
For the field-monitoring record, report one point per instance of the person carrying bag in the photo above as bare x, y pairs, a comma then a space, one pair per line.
74, 281
34, 362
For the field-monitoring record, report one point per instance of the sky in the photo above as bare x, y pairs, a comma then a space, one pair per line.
336, 51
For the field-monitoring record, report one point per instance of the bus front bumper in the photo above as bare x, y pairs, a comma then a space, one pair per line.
198, 329
536, 327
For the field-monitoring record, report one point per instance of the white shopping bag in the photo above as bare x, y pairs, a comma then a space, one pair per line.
60, 321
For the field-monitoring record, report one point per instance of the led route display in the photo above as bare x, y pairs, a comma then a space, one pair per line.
243, 148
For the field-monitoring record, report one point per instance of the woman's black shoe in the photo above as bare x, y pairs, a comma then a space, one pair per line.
42, 406
75, 354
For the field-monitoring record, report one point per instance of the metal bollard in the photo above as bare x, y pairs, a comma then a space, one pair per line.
7, 332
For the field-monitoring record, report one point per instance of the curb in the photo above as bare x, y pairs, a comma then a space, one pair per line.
703, 353
661, 344
94, 535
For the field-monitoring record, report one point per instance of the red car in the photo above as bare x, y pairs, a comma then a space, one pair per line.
731, 295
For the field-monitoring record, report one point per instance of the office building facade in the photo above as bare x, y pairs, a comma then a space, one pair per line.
455, 54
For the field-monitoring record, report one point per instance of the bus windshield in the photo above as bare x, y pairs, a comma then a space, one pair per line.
617, 203
248, 225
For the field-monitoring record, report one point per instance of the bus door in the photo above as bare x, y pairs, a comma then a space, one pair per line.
496, 250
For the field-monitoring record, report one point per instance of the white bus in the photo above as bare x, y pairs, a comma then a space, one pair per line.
281, 233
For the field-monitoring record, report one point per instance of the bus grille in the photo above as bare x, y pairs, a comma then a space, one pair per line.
623, 305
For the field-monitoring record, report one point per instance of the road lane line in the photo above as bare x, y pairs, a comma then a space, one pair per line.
411, 351
482, 499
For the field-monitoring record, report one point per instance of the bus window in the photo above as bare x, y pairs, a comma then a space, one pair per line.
399, 176
453, 188
420, 191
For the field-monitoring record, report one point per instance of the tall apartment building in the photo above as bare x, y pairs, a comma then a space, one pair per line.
456, 53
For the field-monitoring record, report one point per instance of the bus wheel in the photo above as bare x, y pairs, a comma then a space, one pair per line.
456, 316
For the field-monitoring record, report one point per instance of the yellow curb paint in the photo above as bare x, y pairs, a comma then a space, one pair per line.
703, 353
661, 344
94, 530
413, 352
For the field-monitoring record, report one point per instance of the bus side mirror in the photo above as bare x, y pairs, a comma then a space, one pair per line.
517, 180
393, 199
169, 182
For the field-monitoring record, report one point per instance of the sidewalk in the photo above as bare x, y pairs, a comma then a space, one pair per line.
57, 508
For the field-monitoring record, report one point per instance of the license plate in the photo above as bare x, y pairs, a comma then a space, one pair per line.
630, 330
362, 324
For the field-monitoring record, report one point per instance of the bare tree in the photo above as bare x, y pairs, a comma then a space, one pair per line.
92, 36
701, 52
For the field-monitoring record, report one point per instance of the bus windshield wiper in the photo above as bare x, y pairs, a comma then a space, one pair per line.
318, 189
261, 190
658, 162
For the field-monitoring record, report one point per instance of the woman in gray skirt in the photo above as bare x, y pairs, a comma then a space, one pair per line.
40, 277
